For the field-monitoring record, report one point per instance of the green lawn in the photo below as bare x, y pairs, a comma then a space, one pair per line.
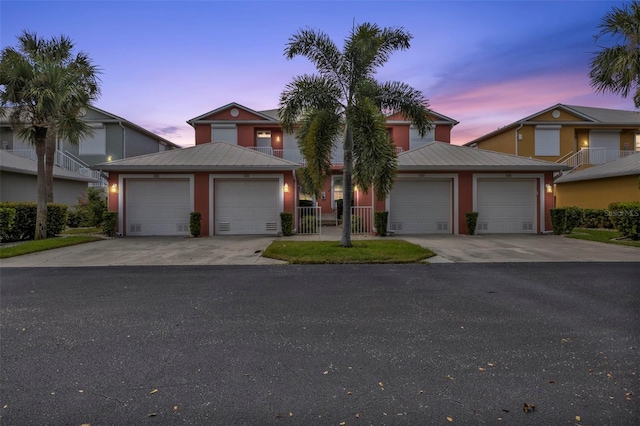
88, 231
48, 244
374, 251
602, 236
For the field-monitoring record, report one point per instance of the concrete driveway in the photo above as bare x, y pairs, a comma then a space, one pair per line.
247, 250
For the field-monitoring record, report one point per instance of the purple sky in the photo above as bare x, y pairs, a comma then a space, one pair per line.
483, 63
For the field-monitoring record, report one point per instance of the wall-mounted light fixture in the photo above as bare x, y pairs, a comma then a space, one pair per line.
356, 188
109, 158
114, 188
277, 138
285, 188
549, 188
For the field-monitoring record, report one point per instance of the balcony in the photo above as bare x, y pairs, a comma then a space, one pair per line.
593, 156
294, 155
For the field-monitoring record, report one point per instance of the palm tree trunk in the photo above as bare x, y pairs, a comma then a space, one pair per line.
50, 155
41, 215
345, 241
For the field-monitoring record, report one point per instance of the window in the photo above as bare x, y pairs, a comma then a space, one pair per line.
263, 139
416, 141
637, 141
547, 140
224, 133
95, 143
336, 189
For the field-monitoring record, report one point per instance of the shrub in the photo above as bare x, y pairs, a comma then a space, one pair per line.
109, 223
56, 219
286, 221
626, 218
7, 219
309, 224
380, 220
24, 226
91, 206
595, 218
472, 220
195, 225
565, 219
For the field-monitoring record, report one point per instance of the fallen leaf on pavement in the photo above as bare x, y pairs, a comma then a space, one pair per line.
577, 418
152, 414
450, 419
153, 391
528, 408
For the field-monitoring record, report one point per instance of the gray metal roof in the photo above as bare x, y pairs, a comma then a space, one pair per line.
230, 105
592, 116
444, 156
216, 156
626, 166
14, 163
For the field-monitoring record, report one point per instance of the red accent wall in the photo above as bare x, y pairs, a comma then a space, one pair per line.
443, 133
203, 133
465, 199
400, 136
201, 202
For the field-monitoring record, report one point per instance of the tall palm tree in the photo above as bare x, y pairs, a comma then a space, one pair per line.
343, 100
43, 87
616, 69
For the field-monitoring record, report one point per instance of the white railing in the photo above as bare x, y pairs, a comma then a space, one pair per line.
362, 220
292, 155
594, 156
308, 220
62, 160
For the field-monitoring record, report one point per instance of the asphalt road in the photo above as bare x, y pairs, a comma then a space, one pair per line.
323, 344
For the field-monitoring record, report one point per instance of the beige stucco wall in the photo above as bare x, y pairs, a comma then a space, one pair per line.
598, 193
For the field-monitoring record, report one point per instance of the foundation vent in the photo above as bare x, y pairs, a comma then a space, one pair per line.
135, 227
271, 226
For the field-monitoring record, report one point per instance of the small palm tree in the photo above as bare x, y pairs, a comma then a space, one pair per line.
616, 69
43, 88
345, 101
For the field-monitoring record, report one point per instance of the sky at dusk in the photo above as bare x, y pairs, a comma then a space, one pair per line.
485, 64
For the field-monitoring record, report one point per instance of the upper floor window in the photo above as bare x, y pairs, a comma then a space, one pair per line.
263, 138
95, 143
547, 140
416, 141
224, 133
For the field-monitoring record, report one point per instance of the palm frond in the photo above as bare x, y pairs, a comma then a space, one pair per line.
304, 93
397, 97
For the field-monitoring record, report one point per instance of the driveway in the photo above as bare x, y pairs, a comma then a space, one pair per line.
247, 250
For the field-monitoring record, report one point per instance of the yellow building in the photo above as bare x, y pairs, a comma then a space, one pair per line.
568, 134
598, 186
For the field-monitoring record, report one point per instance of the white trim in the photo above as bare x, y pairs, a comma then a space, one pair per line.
214, 176
122, 189
434, 176
541, 219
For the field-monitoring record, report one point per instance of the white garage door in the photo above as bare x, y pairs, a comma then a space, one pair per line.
247, 206
506, 206
421, 207
157, 207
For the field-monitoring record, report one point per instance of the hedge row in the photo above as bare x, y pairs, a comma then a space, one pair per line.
625, 217
24, 224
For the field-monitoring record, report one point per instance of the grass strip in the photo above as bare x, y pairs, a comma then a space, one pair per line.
374, 251
47, 244
602, 236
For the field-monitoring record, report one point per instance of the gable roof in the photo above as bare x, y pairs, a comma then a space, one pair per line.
227, 106
107, 117
589, 115
629, 165
218, 156
16, 164
444, 156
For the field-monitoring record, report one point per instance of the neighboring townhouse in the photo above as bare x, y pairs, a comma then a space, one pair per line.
568, 134
113, 138
598, 186
18, 181
242, 173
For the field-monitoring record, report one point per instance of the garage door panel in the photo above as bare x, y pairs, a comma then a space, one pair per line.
421, 207
157, 207
246, 206
506, 206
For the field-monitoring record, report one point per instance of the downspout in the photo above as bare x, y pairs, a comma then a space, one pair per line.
124, 140
517, 136
295, 200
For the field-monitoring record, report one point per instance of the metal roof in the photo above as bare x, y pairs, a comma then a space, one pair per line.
230, 105
444, 156
218, 156
14, 163
626, 166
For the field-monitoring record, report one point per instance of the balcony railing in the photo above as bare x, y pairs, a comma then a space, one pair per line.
64, 161
594, 156
294, 155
